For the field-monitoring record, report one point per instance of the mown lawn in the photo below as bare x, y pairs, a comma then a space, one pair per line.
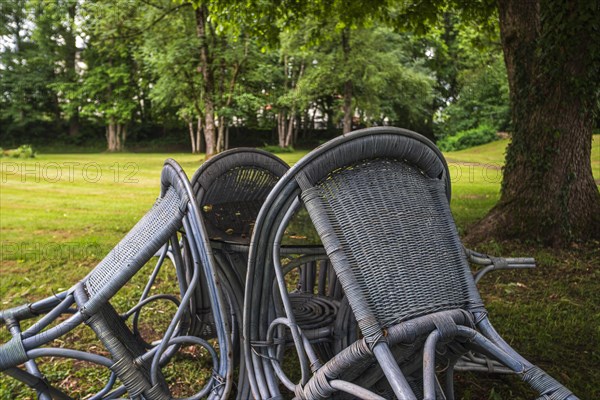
60, 213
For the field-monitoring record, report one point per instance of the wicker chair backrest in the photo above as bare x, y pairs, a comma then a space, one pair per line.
380, 206
232, 187
138, 246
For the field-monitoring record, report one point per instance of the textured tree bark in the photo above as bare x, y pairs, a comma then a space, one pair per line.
548, 191
208, 81
116, 135
281, 128
111, 135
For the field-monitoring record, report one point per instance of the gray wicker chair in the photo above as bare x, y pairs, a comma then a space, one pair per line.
132, 361
230, 189
379, 199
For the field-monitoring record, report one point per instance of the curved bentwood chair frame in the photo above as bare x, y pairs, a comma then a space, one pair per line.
379, 199
132, 361
230, 189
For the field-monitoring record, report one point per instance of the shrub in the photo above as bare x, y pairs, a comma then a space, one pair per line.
276, 149
483, 99
471, 137
23, 151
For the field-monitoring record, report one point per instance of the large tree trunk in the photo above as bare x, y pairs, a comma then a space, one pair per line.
348, 110
208, 81
548, 191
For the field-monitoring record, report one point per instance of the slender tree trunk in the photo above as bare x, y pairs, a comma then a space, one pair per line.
290, 130
227, 138
221, 135
281, 128
548, 191
208, 80
118, 137
74, 124
123, 137
192, 135
296, 130
348, 110
71, 59
111, 135
195, 134
199, 136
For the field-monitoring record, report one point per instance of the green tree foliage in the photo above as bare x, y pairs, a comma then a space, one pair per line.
471, 83
107, 89
55, 35
169, 53
293, 67
389, 85
26, 102
482, 100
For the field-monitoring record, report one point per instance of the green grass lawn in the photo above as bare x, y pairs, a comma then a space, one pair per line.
61, 213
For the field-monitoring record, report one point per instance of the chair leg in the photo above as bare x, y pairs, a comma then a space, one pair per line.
392, 372
124, 348
35, 381
539, 380
450, 382
41, 387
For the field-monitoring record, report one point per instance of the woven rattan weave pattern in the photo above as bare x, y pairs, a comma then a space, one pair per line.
232, 202
392, 222
144, 239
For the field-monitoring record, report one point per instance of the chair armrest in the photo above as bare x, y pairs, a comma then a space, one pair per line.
31, 310
490, 263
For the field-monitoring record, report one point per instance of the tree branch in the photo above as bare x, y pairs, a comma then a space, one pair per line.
156, 21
